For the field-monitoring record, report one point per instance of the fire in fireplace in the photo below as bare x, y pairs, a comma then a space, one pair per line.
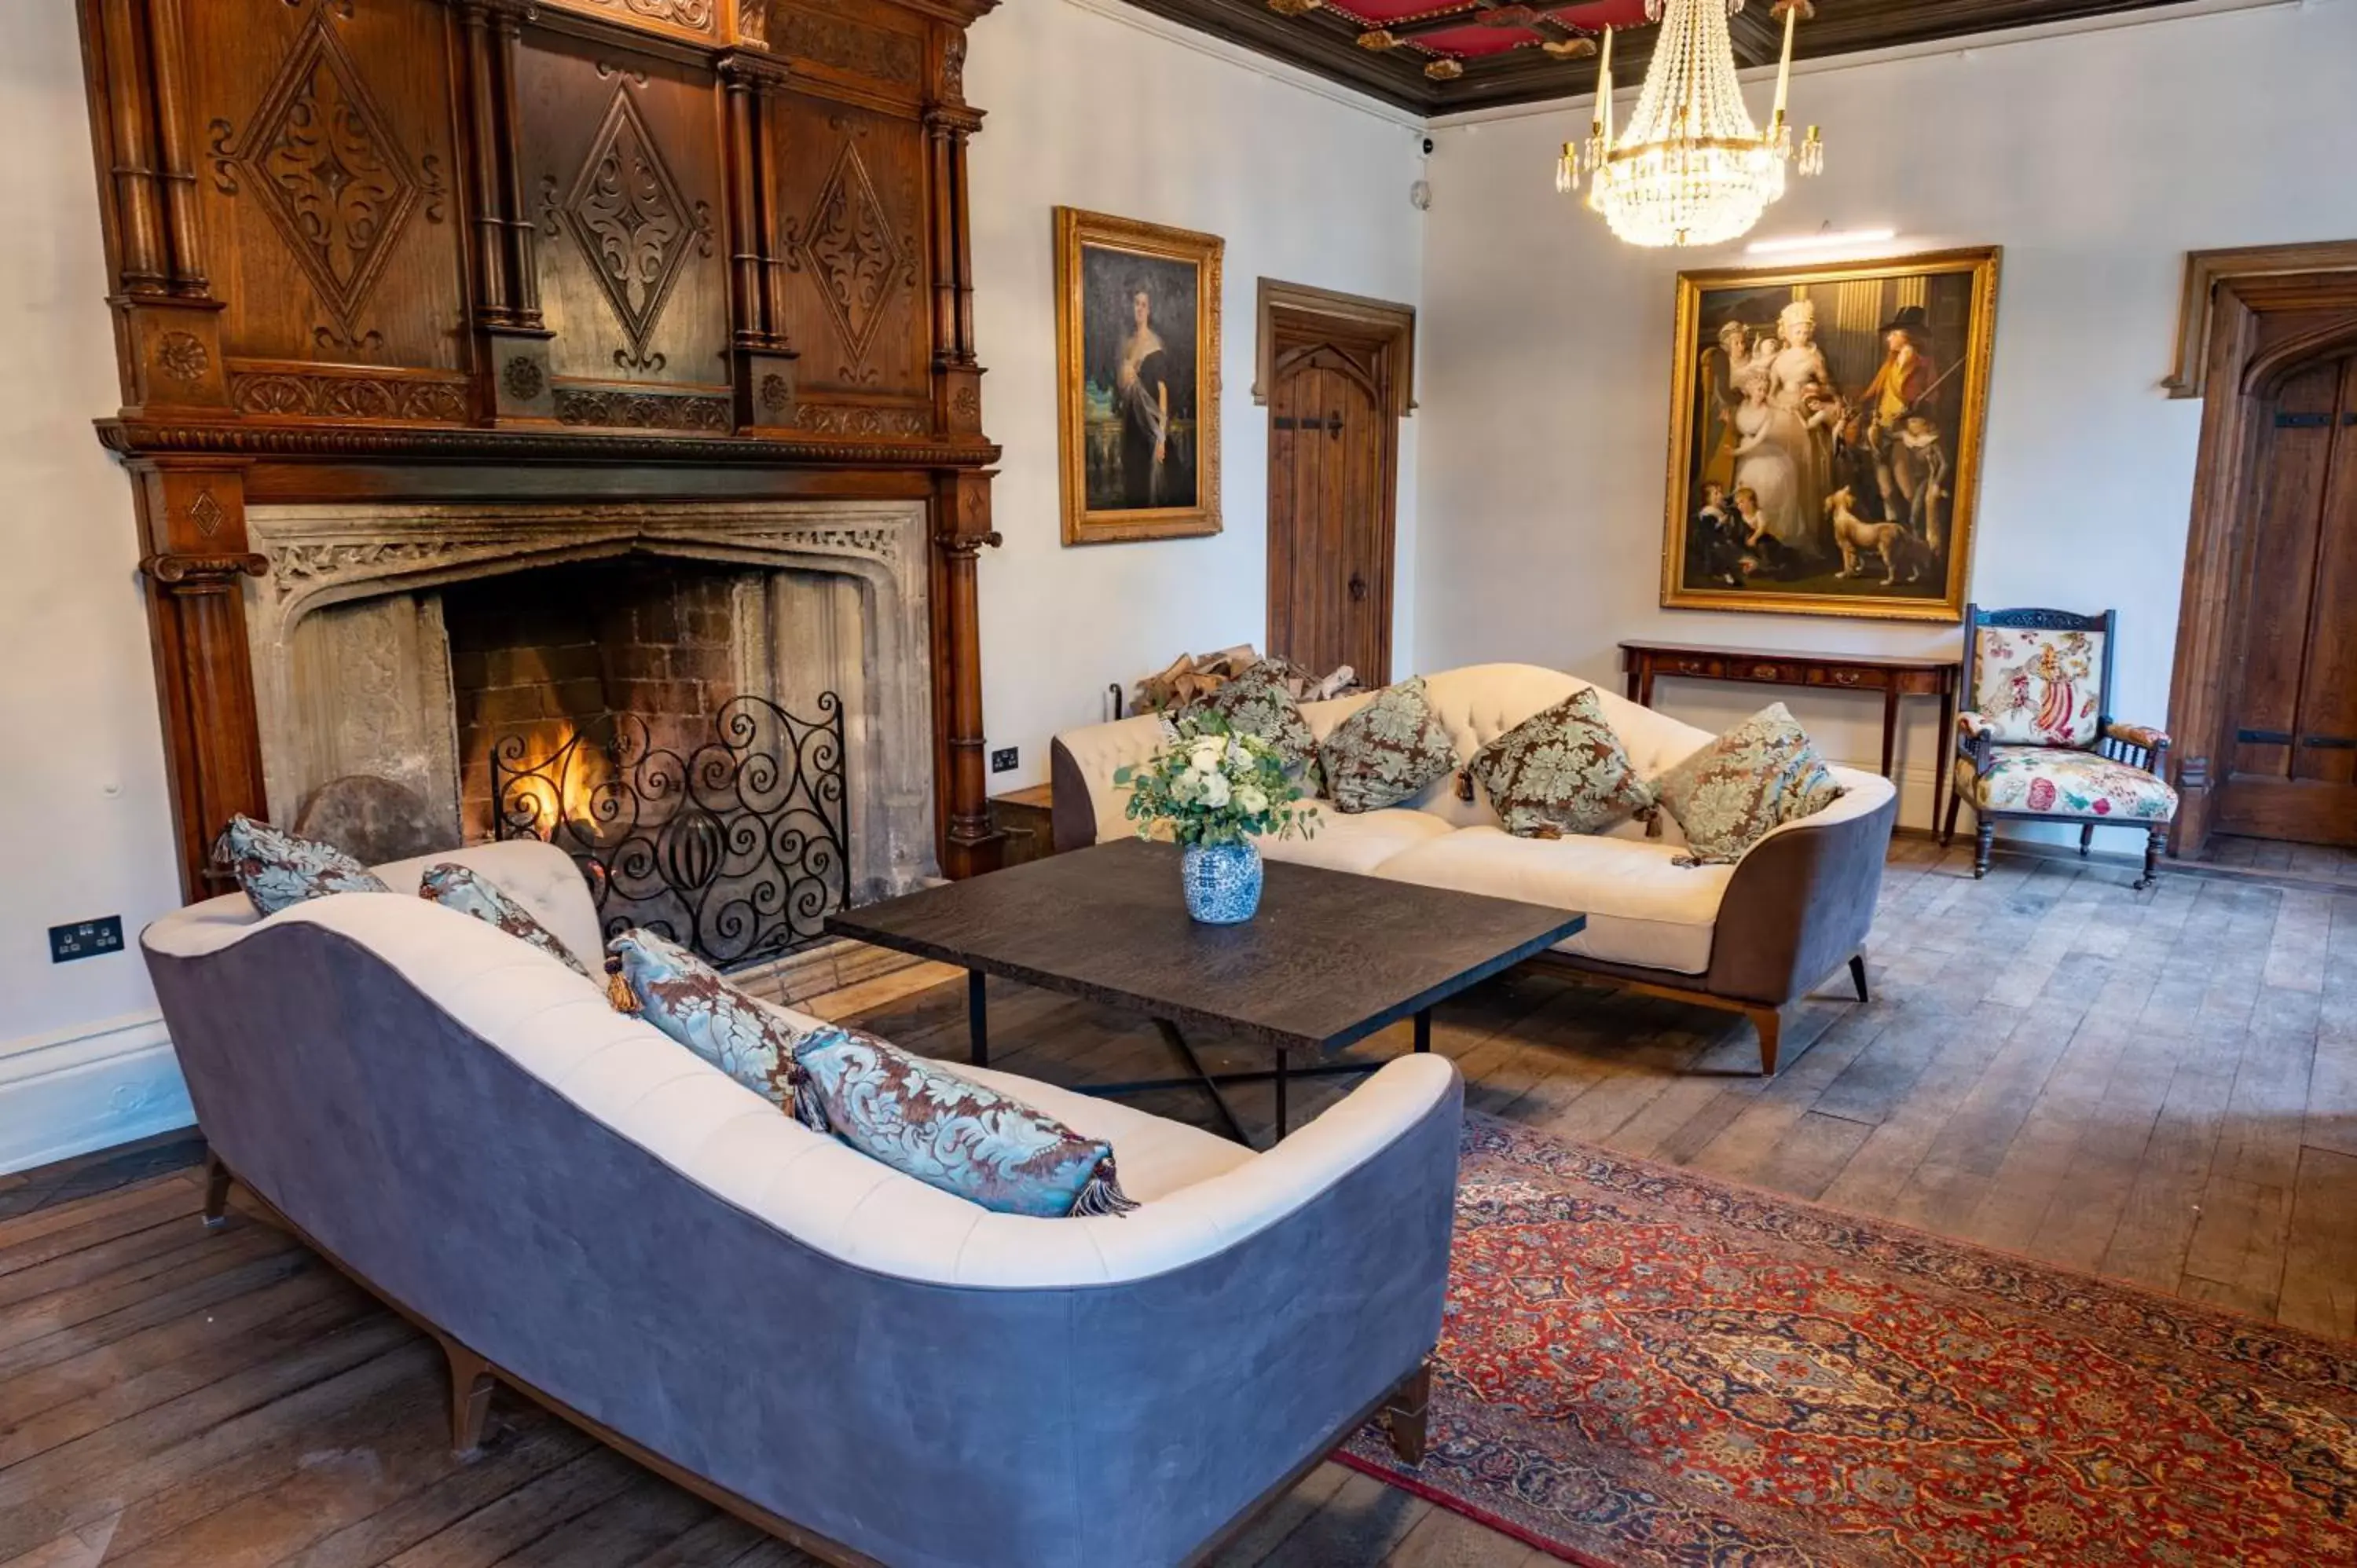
600, 707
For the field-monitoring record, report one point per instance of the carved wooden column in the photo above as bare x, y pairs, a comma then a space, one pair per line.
957, 378
510, 337
761, 352
171, 326
961, 531
192, 522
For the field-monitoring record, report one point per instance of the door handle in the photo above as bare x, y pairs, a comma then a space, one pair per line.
1334, 424
1358, 588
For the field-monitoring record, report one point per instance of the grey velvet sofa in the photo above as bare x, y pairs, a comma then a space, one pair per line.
1748, 938
875, 1370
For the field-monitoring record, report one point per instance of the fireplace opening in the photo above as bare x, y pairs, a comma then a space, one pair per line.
627, 710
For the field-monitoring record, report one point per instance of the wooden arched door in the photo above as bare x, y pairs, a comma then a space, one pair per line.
2291, 710
1331, 488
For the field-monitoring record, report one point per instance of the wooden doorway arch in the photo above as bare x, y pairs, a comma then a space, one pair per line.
2253, 319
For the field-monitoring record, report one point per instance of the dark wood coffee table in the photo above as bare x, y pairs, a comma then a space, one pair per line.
1331, 959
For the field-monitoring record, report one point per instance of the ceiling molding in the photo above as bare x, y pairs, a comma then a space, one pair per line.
1325, 44
1275, 66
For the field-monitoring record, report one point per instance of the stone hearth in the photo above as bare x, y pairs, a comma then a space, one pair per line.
401, 641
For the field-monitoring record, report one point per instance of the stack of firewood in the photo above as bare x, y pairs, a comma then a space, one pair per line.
1192, 677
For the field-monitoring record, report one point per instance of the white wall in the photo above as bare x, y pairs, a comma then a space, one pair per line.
82, 1059
2097, 160
1112, 110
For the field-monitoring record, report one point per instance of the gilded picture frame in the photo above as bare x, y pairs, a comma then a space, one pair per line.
1826, 433
1138, 377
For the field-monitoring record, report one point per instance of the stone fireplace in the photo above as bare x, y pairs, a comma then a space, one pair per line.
529, 667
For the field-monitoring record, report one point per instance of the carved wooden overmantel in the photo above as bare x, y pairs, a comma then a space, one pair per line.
531, 250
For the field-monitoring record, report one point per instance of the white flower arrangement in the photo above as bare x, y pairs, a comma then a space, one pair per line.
1212, 786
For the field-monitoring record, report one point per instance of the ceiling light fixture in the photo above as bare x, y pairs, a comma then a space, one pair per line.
1692, 168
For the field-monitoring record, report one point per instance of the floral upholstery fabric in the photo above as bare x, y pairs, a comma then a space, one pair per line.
694, 1004
278, 870
1758, 776
1387, 751
466, 890
1562, 771
2057, 782
2039, 688
950, 1132
1257, 702
2144, 736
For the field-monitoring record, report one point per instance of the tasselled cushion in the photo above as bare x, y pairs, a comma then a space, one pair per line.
469, 891
950, 1132
1257, 702
1387, 751
278, 870
694, 1004
1732, 793
1562, 771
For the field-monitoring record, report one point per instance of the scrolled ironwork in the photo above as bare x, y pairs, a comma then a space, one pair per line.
737, 849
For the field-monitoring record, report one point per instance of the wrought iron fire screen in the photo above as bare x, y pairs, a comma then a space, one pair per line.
736, 848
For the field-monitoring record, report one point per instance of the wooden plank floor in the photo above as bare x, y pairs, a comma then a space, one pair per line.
2158, 1086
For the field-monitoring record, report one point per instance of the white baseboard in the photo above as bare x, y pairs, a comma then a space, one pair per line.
88, 1087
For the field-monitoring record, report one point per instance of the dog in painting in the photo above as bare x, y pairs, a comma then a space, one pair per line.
1860, 539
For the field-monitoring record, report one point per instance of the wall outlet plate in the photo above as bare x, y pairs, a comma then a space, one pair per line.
1006, 759
85, 938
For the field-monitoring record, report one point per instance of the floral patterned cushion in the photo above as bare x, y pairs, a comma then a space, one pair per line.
2065, 783
1257, 702
1562, 771
950, 1132
1386, 751
690, 1001
466, 890
1763, 773
278, 870
2039, 688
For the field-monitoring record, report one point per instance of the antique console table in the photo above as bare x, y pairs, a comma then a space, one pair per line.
1893, 675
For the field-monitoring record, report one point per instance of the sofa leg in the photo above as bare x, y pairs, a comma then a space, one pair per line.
1770, 1024
217, 1184
1406, 1415
1857, 975
1955, 803
1984, 840
471, 1397
2086, 837
2154, 842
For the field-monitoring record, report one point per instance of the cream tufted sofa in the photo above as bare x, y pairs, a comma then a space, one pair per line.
872, 1368
1748, 937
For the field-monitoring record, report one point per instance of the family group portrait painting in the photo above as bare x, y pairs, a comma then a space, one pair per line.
1138, 335
1827, 436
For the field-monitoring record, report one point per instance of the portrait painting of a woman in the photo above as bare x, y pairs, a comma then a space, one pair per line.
1843, 405
1139, 325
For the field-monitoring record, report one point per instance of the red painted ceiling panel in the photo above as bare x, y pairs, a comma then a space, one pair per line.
1473, 40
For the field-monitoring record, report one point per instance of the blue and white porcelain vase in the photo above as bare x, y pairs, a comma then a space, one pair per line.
1222, 881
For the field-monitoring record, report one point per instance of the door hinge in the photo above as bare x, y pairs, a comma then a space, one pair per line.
2264, 737
2330, 742
2303, 422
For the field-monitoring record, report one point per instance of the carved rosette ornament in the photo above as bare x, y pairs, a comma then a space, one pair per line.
775, 394
181, 358
524, 378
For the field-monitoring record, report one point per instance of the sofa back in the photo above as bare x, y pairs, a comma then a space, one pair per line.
1477, 703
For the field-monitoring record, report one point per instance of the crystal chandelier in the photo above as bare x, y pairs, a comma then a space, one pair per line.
1691, 169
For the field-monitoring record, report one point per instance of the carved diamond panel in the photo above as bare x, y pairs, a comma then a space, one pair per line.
634, 225
331, 173
850, 249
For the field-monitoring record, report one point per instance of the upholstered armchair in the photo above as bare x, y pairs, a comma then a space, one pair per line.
2038, 742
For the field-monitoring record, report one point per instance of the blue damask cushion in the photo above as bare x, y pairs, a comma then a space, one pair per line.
278, 870
951, 1133
694, 1004
469, 891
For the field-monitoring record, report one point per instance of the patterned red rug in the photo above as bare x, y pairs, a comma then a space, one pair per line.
1643, 1367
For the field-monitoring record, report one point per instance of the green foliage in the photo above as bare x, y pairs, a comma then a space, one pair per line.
1215, 785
